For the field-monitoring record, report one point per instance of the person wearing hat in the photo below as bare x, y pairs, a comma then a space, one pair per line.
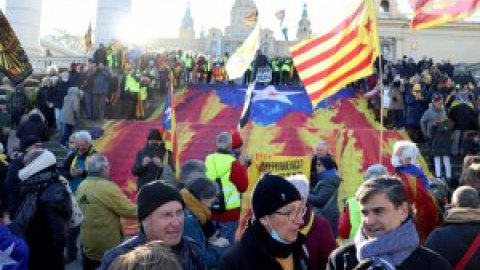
150, 161
272, 239
416, 105
461, 110
160, 212
231, 176
405, 161
44, 210
323, 197
12, 181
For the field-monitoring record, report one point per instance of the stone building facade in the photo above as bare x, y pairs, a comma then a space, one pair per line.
457, 42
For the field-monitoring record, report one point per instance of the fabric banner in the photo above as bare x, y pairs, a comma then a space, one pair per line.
13, 59
282, 165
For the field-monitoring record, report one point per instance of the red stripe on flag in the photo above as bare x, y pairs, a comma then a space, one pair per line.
459, 9
362, 65
321, 39
328, 53
337, 65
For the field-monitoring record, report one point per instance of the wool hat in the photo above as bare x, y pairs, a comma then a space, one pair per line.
236, 140
417, 87
154, 134
271, 193
153, 195
27, 141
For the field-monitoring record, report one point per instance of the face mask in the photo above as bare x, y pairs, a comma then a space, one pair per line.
276, 237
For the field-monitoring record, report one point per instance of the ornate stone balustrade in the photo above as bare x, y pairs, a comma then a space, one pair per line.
40, 64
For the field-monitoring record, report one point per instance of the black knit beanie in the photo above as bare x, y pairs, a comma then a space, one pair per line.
153, 195
271, 193
154, 135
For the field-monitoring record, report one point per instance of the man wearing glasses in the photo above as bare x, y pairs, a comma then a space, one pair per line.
272, 239
160, 213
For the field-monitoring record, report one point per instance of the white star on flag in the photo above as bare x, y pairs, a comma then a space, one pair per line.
5, 256
271, 93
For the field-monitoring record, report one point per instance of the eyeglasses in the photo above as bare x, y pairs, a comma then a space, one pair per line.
293, 214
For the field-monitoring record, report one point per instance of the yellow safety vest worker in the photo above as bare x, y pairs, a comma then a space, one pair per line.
355, 216
286, 66
219, 166
131, 84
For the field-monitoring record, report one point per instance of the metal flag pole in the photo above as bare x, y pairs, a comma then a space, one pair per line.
380, 72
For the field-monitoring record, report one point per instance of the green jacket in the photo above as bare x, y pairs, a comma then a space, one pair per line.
103, 204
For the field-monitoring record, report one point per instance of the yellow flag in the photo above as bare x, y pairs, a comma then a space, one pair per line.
244, 55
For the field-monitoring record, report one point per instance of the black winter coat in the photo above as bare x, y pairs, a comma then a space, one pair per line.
463, 116
12, 188
151, 172
452, 241
441, 138
344, 258
253, 253
33, 126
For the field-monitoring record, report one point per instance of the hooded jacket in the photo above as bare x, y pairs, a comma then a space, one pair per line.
324, 198
35, 126
71, 106
427, 122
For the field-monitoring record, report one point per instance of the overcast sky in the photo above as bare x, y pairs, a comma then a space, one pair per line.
162, 18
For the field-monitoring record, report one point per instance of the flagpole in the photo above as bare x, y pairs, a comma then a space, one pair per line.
380, 72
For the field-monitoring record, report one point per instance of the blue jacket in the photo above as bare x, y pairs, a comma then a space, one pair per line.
193, 229
188, 252
14, 250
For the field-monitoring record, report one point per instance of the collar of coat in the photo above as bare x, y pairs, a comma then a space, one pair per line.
462, 215
43, 161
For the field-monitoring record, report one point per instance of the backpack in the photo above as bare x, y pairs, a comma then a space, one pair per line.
440, 190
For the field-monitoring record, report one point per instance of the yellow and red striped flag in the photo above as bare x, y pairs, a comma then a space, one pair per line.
429, 13
345, 52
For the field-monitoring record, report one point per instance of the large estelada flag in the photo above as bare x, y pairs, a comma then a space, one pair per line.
13, 59
170, 127
343, 53
429, 13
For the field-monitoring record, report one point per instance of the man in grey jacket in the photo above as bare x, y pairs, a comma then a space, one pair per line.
432, 116
101, 87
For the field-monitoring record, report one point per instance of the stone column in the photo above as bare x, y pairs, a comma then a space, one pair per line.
24, 17
110, 14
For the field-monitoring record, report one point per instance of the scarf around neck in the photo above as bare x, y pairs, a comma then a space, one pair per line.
388, 247
199, 210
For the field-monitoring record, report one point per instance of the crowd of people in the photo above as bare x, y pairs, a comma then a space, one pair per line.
394, 221
397, 219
